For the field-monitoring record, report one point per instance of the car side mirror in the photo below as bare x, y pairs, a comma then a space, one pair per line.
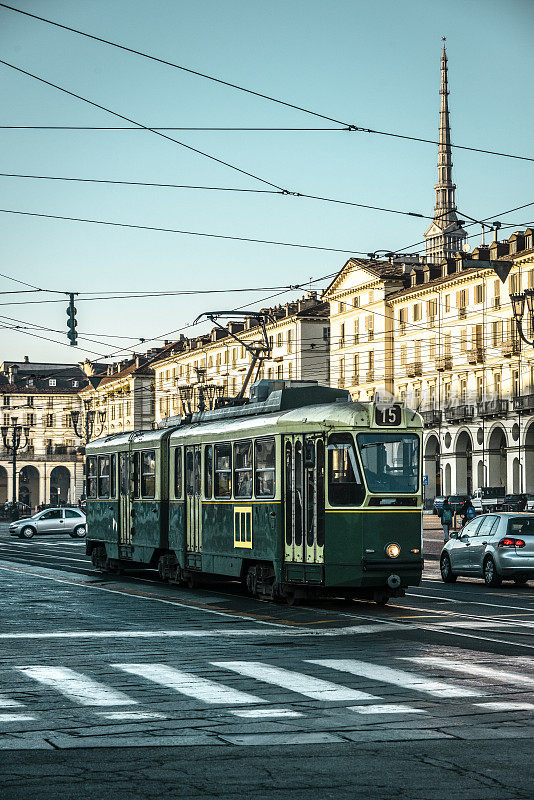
453, 535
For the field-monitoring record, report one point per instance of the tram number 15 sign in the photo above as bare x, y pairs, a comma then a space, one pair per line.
387, 416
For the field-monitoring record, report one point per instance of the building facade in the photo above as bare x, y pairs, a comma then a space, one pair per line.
40, 397
442, 339
122, 398
298, 336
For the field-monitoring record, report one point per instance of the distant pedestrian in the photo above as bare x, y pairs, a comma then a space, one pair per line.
446, 518
468, 512
522, 504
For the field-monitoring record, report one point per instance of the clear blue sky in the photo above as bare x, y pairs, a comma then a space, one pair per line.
374, 64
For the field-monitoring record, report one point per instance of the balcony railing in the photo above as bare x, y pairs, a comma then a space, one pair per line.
414, 368
370, 375
492, 408
524, 403
432, 418
511, 347
459, 413
477, 355
462, 313
443, 363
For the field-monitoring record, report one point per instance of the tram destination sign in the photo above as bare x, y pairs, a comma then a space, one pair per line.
387, 416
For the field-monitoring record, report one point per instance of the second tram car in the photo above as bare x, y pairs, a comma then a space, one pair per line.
300, 492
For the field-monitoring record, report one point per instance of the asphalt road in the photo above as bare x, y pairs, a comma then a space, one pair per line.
123, 684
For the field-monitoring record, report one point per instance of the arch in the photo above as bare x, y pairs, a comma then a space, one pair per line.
59, 485
481, 481
432, 466
464, 463
497, 466
3, 485
529, 459
29, 486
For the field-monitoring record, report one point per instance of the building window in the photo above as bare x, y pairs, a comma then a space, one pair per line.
342, 335
29, 402
479, 293
49, 420
369, 324
290, 341
463, 389
356, 331
496, 333
463, 339
447, 392
279, 339
530, 279
480, 388
403, 355
7, 400
515, 383
432, 348
515, 283
417, 312
356, 301
290, 370
402, 320
30, 419
447, 303
497, 384
342, 372
356, 370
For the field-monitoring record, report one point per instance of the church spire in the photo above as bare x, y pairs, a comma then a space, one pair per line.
444, 237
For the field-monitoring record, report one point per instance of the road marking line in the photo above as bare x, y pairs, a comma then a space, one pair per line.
200, 633
406, 680
8, 702
265, 713
506, 706
472, 668
131, 715
191, 685
77, 687
16, 718
315, 688
387, 708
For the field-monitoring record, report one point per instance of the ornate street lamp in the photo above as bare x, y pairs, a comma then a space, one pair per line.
12, 445
89, 423
518, 308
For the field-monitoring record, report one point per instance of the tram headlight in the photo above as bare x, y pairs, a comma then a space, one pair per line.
393, 550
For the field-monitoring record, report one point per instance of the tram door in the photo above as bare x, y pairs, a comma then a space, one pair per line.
125, 499
193, 473
304, 498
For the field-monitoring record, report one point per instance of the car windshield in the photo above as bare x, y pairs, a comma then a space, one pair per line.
521, 526
390, 461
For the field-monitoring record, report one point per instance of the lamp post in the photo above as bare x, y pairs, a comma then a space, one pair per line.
12, 446
518, 308
88, 423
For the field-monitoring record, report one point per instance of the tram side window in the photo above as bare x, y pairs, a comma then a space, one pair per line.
135, 482
178, 472
148, 473
345, 486
91, 476
243, 469
103, 476
264, 464
113, 475
223, 470
208, 471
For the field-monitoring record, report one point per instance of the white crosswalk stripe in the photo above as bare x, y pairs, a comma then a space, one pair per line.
387, 708
314, 688
471, 668
77, 687
397, 677
7, 702
191, 685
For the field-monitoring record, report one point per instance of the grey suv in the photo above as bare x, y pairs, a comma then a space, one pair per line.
52, 520
496, 547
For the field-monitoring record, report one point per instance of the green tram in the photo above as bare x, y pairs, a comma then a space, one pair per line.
300, 492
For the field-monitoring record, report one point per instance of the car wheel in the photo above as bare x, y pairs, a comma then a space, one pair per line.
79, 532
447, 575
491, 576
26, 533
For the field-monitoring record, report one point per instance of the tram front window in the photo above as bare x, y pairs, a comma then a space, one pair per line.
345, 486
390, 462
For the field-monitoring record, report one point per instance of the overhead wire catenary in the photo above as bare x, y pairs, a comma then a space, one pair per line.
345, 125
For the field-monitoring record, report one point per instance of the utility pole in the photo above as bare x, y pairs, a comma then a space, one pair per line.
12, 446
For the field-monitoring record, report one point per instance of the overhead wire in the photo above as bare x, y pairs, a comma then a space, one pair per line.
346, 125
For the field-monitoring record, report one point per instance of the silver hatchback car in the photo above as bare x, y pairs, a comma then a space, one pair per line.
52, 520
496, 547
